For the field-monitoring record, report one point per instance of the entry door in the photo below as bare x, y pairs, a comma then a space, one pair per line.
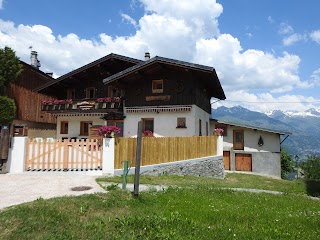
226, 159
238, 140
243, 162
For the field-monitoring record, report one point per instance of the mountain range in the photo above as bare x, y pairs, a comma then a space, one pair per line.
304, 126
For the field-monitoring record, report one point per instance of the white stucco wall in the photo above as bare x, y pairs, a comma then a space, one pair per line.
74, 125
165, 123
251, 137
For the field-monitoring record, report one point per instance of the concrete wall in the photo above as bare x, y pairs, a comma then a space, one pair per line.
165, 123
74, 125
267, 163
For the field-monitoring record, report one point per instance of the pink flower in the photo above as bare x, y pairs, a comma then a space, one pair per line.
218, 130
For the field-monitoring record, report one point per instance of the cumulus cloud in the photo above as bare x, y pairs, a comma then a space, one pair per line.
1, 4
270, 19
250, 69
315, 36
180, 29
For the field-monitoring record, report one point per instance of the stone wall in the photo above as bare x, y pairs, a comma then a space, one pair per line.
208, 167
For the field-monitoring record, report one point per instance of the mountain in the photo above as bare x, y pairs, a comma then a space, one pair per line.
304, 126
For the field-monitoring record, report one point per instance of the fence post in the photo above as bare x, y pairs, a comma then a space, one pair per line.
219, 145
17, 155
108, 156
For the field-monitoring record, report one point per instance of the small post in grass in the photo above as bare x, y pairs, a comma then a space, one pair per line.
138, 157
125, 174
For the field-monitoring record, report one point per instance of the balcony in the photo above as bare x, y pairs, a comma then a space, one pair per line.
82, 105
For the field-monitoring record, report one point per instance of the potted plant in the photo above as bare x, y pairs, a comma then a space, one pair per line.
147, 133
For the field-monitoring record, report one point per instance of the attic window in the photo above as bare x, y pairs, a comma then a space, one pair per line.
157, 86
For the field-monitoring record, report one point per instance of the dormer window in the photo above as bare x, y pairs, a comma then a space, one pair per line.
157, 86
90, 92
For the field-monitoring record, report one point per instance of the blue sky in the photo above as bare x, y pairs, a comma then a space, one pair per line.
265, 52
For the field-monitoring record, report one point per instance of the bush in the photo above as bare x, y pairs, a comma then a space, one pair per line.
286, 163
311, 168
311, 172
7, 110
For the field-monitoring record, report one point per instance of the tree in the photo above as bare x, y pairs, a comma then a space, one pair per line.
7, 110
10, 67
287, 164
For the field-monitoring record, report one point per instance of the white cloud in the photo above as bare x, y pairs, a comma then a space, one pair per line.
265, 102
127, 18
1, 4
270, 19
290, 40
285, 29
315, 36
179, 29
251, 69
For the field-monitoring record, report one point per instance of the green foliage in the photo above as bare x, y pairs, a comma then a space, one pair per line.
311, 168
10, 67
7, 110
287, 164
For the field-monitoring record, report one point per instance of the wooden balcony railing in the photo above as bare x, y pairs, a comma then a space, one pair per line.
77, 105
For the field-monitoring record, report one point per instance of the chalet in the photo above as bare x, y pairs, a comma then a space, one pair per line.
249, 148
171, 97
29, 114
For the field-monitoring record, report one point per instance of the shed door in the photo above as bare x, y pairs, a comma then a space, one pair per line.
226, 159
243, 162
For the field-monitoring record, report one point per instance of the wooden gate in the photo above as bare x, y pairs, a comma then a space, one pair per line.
57, 155
226, 159
243, 162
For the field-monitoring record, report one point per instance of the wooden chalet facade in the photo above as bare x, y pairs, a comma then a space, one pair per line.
171, 97
28, 102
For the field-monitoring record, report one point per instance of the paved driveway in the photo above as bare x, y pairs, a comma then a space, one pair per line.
29, 186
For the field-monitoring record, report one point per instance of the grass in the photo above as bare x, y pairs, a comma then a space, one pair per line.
194, 210
232, 180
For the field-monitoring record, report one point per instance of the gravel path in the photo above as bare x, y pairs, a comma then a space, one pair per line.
29, 186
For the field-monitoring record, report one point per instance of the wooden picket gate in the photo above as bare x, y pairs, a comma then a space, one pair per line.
57, 155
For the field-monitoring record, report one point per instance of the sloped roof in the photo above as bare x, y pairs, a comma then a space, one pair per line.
87, 66
252, 127
173, 62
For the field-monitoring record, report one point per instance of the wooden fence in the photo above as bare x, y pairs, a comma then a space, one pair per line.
52, 155
164, 149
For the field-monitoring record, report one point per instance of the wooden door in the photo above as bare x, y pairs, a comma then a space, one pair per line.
238, 140
226, 159
243, 162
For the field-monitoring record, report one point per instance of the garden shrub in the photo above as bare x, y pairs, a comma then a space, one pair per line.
311, 171
7, 110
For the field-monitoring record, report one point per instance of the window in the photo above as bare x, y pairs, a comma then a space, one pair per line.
90, 92
113, 92
84, 128
238, 140
200, 130
224, 127
147, 124
71, 93
118, 124
157, 86
64, 127
181, 122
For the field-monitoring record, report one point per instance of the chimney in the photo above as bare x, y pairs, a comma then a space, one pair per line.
50, 74
34, 60
146, 56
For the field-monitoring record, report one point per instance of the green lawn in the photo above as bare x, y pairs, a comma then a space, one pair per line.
232, 180
193, 210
